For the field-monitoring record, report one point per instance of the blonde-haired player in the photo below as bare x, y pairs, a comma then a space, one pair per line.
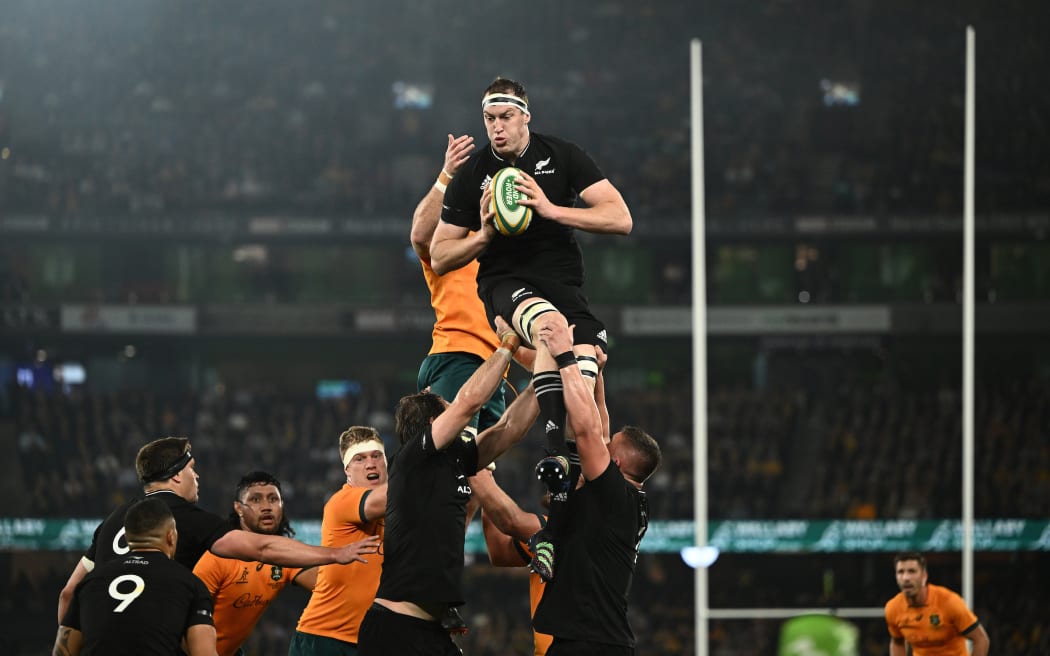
330, 622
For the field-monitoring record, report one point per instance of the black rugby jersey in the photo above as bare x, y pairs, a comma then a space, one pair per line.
594, 563
547, 250
138, 605
426, 511
198, 530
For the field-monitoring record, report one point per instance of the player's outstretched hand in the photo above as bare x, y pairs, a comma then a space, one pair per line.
457, 153
356, 550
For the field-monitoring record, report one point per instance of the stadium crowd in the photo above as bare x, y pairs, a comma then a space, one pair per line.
872, 450
272, 108
317, 110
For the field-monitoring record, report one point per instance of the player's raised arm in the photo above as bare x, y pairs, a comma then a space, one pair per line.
428, 212
474, 393
500, 509
581, 411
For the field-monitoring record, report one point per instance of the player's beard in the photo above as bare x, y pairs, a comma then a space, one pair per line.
272, 529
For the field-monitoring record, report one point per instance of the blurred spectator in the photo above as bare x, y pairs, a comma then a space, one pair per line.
142, 107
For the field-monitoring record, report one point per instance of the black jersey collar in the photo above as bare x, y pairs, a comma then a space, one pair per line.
517, 157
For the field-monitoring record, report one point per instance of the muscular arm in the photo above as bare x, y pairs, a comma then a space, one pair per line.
454, 247
599, 396
581, 411
981, 642
200, 640
279, 550
67, 642
606, 211
424, 221
428, 212
500, 510
65, 597
511, 427
471, 396
500, 546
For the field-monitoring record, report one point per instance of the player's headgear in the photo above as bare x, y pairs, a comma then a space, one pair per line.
162, 459
504, 91
495, 99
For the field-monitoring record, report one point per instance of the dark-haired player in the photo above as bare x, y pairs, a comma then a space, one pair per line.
584, 605
462, 336
142, 603
242, 589
427, 497
932, 619
541, 270
166, 469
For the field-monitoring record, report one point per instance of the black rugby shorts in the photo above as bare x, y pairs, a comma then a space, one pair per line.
502, 297
386, 633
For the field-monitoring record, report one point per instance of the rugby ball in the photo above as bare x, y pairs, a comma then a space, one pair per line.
510, 218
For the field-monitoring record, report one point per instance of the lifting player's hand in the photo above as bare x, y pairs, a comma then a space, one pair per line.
508, 337
356, 550
602, 357
554, 332
534, 196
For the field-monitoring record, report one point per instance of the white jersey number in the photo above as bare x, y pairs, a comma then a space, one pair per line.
125, 598
120, 545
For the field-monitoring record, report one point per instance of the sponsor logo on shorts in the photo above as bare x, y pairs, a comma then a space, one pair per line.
603, 336
551, 426
519, 294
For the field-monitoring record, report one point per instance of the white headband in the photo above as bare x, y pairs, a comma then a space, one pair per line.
504, 99
367, 446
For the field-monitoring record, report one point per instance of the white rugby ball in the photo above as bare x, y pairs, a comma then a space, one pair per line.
511, 218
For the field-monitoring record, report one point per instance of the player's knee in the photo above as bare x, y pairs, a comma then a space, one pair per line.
525, 321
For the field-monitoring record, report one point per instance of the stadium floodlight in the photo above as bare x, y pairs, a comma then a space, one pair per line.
700, 557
